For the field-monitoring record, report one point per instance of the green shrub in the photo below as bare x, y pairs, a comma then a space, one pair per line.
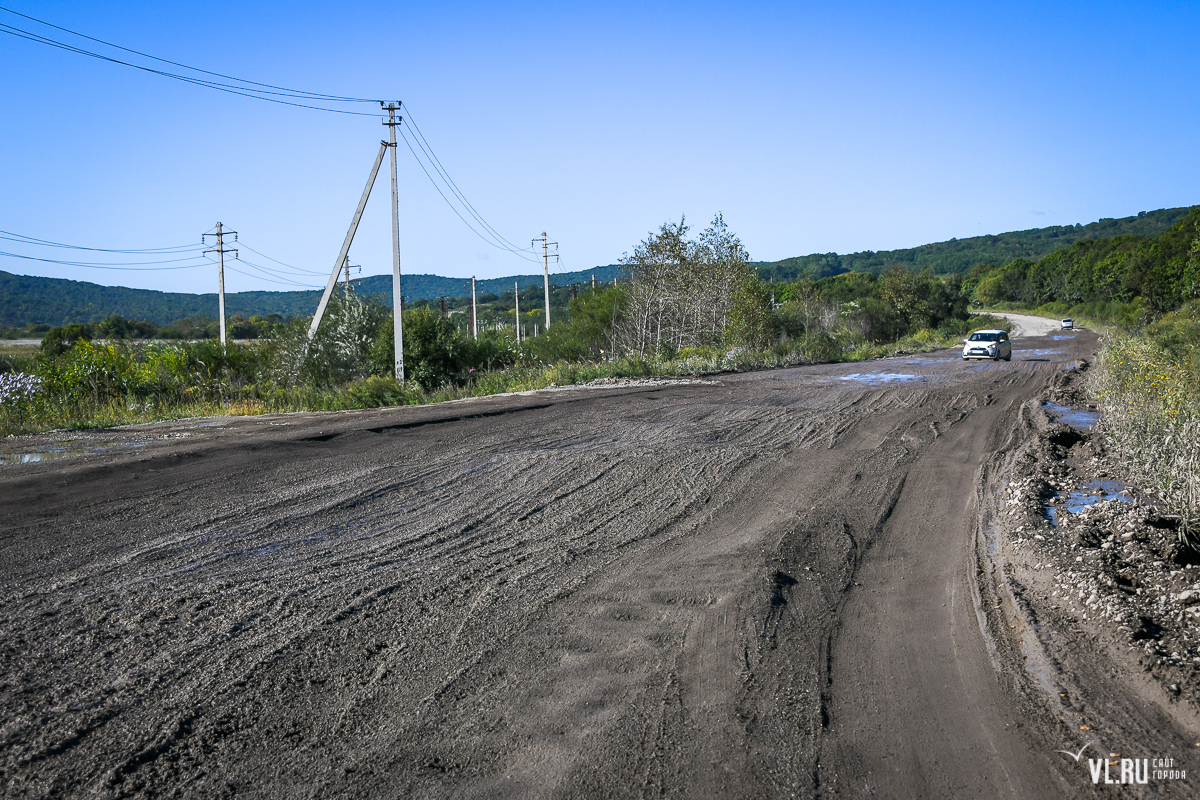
59, 340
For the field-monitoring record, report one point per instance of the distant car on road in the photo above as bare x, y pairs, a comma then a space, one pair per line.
987, 344
1068, 323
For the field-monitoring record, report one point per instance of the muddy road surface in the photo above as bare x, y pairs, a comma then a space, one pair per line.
759, 587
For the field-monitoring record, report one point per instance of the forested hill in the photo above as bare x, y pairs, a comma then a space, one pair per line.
1158, 273
431, 287
26, 300
963, 255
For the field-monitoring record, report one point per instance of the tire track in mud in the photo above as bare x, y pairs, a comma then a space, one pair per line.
600, 594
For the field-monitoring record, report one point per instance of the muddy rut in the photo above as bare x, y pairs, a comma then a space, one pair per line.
760, 588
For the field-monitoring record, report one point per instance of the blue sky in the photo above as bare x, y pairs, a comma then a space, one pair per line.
813, 127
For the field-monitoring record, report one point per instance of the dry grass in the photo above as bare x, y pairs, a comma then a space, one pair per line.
1151, 416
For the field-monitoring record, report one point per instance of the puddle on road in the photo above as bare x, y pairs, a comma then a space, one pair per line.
39, 455
1089, 494
1058, 338
58, 450
1050, 352
1075, 417
873, 378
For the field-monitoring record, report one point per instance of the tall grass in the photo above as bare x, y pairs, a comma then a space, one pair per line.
1151, 415
101, 385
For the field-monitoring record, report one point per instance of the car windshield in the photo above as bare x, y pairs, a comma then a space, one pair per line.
985, 337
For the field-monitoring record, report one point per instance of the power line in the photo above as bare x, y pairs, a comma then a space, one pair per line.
274, 276
22, 239
243, 91
268, 280
299, 270
281, 95
294, 92
452, 208
426, 148
280, 276
116, 266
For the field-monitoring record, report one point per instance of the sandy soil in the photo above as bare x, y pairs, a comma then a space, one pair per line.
778, 585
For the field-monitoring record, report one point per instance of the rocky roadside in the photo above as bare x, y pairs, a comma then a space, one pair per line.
1113, 557
1104, 599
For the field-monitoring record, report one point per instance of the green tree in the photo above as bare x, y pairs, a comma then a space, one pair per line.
61, 339
588, 331
751, 323
113, 327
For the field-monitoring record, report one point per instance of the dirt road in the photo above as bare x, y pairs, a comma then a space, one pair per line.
761, 588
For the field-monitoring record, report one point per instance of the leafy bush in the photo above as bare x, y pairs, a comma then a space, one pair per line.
434, 350
587, 333
59, 340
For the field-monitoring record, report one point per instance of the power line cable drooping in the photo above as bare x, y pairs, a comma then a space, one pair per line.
426, 148
241, 86
284, 96
270, 275
120, 266
452, 208
22, 239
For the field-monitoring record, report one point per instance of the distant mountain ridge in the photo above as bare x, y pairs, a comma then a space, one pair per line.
27, 300
963, 255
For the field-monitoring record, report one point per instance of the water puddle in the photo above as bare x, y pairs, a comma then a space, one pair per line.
1077, 418
1059, 338
57, 450
39, 455
1089, 494
875, 378
1050, 352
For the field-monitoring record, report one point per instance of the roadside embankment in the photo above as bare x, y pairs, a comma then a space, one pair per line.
1095, 587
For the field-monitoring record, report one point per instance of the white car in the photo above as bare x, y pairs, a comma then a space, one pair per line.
987, 344
1068, 323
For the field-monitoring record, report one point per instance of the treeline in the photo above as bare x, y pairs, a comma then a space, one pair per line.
1124, 277
28, 300
58, 339
959, 256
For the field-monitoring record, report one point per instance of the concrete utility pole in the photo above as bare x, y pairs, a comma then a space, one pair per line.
474, 317
546, 269
593, 281
517, 311
546, 273
397, 302
221, 250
